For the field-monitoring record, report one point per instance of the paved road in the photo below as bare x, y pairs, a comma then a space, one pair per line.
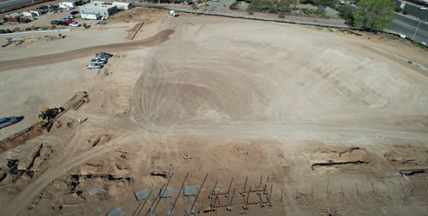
414, 10
404, 25
9, 4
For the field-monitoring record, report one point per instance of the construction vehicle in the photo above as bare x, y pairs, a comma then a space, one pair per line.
46, 114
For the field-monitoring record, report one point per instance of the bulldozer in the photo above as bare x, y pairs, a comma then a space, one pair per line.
46, 114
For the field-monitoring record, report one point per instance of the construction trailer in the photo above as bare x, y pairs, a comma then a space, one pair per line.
67, 5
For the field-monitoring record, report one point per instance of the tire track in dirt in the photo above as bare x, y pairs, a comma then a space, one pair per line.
25, 197
160, 37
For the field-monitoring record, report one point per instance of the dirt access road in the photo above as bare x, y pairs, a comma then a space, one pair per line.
243, 98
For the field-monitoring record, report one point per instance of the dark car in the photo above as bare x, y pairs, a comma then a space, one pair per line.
63, 24
104, 55
74, 13
55, 22
79, 3
7, 121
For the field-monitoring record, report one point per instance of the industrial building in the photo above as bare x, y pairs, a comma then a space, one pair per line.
96, 10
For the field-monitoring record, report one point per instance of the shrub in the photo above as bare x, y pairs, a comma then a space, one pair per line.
397, 9
405, 12
234, 6
281, 15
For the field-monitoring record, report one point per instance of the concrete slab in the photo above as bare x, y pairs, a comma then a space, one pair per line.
141, 194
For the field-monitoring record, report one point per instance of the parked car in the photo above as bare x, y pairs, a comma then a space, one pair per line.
423, 8
69, 21
94, 66
63, 24
7, 121
173, 13
104, 54
55, 22
74, 24
101, 58
64, 19
97, 61
79, 3
74, 13
56, 10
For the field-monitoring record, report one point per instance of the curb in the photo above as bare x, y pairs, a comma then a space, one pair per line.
266, 19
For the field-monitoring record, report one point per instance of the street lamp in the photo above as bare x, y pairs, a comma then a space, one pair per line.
417, 29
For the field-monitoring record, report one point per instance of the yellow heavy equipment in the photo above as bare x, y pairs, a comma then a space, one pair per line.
46, 114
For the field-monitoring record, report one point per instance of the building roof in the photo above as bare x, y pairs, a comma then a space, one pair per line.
96, 5
126, 3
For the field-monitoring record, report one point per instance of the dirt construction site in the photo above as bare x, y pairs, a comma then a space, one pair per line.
200, 115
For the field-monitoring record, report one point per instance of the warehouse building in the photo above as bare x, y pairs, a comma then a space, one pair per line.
96, 10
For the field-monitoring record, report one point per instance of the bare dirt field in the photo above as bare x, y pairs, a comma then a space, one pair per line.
244, 117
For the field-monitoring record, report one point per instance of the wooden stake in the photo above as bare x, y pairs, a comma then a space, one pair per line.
356, 186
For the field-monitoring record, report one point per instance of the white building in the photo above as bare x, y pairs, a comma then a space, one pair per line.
96, 10
123, 5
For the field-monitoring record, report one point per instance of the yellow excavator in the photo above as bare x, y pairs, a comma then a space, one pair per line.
46, 114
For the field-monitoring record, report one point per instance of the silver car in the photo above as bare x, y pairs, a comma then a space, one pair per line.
94, 66
97, 61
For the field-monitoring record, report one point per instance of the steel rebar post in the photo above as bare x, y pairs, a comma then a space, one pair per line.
182, 185
260, 185
243, 189
150, 203
211, 196
144, 203
163, 192
228, 190
266, 185
246, 200
229, 206
197, 195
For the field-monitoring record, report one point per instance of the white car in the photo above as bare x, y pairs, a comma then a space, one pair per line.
74, 24
173, 13
94, 66
423, 8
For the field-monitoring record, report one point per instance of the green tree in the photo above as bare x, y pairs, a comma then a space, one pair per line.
374, 15
346, 14
285, 5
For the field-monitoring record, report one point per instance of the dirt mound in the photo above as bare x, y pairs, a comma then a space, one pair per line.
21, 137
99, 140
331, 156
31, 164
137, 15
80, 53
37, 129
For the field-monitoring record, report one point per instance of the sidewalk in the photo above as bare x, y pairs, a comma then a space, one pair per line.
224, 11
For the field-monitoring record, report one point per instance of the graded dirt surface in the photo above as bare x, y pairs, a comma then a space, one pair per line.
321, 117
